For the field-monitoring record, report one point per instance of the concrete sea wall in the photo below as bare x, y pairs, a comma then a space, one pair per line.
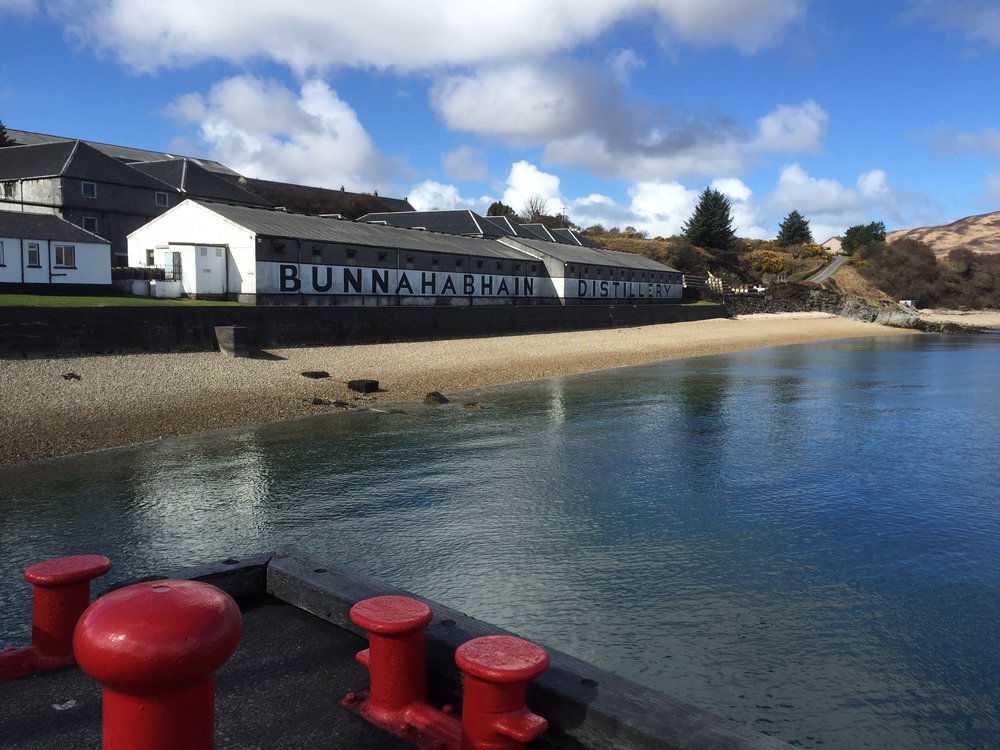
39, 332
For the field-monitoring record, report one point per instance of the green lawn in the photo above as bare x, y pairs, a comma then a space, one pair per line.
46, 300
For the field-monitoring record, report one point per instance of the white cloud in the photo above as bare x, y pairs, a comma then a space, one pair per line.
946, 142
661, 208
465, 163
623, 62
19, 7
521, 103
436, 196
309, 36
993, 191
979, 20
793, 128
262, 129
749, 26
525, 181
831, 206
745, 212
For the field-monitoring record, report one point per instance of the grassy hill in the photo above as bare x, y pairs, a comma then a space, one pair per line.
980, 234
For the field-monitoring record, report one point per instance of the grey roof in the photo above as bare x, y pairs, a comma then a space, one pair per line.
276, 223
535, 231
71, 159
587, 255
121, 153
315, 200
197, 182
23, 162
458, 221
44, 227
565, 236
504, 223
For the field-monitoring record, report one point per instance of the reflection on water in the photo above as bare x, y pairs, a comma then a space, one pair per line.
804, 539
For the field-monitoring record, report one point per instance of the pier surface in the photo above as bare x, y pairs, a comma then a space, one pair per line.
296, 661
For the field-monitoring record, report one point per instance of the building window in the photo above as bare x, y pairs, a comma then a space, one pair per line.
160, 200
8, 189
382, 257
34, 256
90, 223
149, 257
88, 189
409, 261
1, 254
66, 256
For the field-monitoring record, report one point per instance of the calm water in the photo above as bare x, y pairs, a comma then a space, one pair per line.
805, 539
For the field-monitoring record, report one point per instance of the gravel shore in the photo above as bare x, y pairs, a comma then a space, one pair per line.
52, 407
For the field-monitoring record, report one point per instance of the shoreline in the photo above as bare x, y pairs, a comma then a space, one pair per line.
120, 400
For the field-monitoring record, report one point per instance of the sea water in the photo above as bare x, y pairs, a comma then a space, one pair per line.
805, 539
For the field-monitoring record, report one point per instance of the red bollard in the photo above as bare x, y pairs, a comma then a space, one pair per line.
155, 647
61, 594
497, 670
397, 665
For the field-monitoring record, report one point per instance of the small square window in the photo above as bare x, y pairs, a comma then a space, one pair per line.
65, 256
88, 189
383, 257
352, 253
479, 264
499, 265
90, 223
161, 200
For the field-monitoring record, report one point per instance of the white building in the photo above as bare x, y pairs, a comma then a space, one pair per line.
269, 256
39, 252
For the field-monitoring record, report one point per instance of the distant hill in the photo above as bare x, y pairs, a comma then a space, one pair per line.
981, 234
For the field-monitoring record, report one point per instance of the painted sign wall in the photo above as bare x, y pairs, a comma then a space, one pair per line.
306, 278
612, 290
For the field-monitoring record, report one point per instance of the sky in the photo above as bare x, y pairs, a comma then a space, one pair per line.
615, 112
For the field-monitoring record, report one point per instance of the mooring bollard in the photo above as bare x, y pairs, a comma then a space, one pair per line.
61, 594
397, 665
155, 647
497, 671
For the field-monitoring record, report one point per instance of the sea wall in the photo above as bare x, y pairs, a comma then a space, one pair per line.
39, 332
804, 298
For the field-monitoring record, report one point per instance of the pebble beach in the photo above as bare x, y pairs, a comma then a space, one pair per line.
59, 406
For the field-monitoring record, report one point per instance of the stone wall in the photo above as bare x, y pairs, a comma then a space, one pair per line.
38, 332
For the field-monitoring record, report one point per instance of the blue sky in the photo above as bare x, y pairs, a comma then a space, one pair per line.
617, 112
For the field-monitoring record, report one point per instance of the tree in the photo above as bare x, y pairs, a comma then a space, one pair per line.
500, 209
711, 225
794, 230
5, 140
534, 208
862, 235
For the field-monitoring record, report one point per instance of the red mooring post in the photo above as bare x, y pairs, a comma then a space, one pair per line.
497, 670
61, 594
155, 647
397, 665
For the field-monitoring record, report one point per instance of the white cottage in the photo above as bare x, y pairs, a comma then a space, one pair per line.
40, 252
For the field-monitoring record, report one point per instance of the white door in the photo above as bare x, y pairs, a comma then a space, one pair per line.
210, 269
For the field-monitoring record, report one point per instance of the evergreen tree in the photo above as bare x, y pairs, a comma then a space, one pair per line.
794, 230
5, 140
862, 235
498, 208
711, 225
